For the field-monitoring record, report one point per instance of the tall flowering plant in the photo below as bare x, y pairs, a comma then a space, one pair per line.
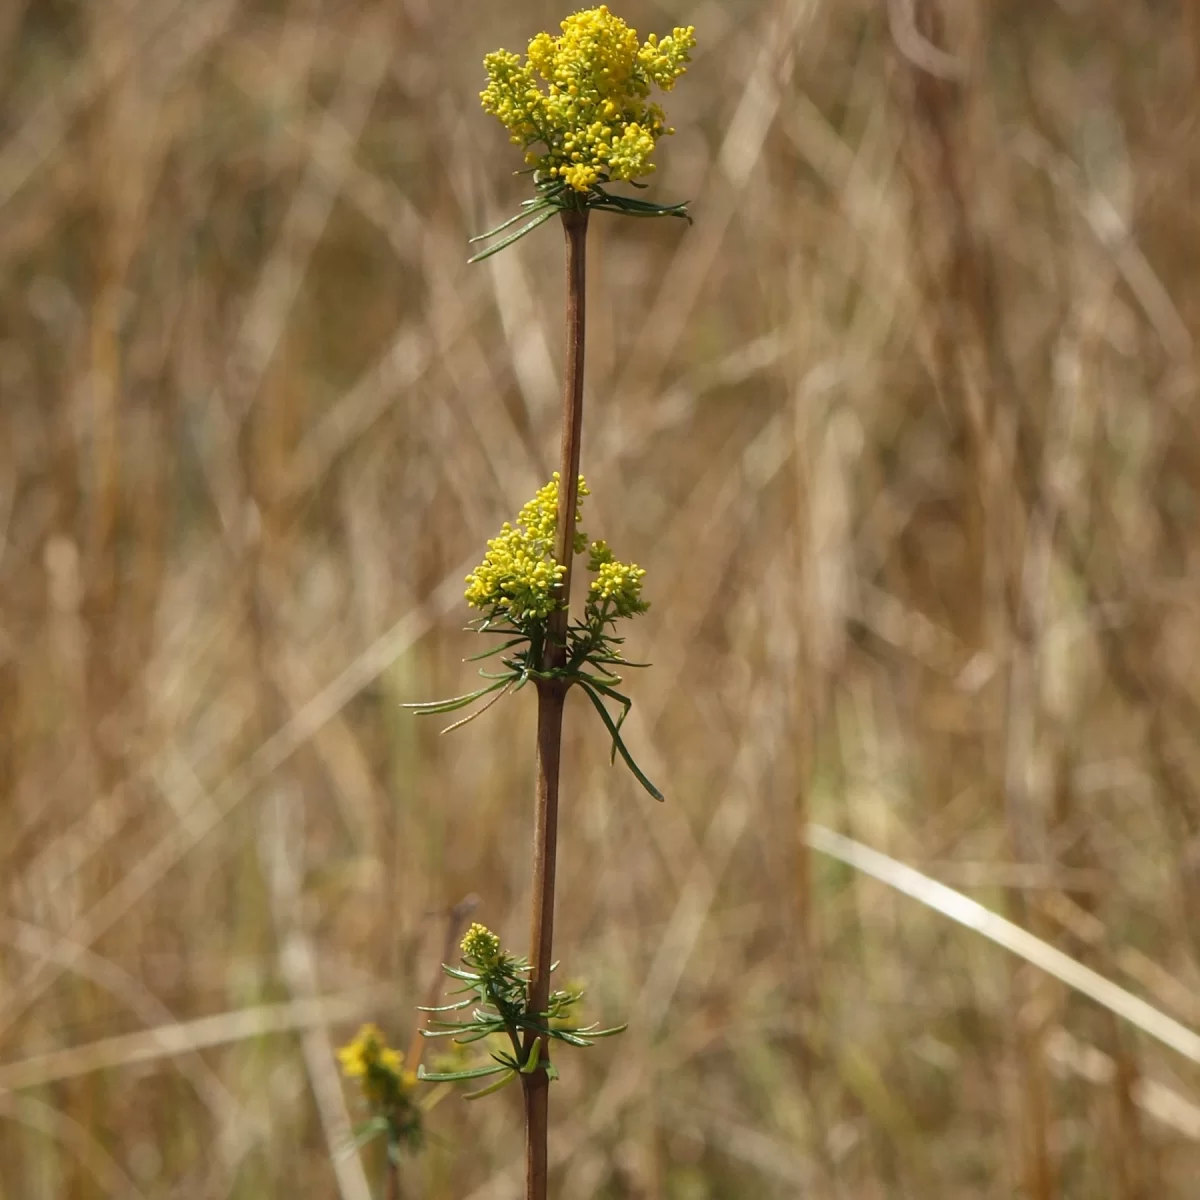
579, 105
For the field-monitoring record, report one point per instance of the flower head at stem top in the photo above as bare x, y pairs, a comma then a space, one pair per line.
583, 97
579, 105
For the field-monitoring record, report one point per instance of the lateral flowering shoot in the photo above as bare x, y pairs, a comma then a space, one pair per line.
618, 586
518, 588
496, 989
579, 105
518, 580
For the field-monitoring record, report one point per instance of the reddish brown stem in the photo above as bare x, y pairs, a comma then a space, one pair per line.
551, 697
575, 227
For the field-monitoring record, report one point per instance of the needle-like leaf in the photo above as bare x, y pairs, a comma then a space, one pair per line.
618, 744
536, 204
540, 219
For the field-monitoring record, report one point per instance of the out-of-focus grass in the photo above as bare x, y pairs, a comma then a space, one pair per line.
904, 431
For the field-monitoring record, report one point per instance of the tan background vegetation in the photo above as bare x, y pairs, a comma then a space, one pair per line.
904, 431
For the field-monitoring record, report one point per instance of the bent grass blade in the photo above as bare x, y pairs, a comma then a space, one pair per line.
973, 915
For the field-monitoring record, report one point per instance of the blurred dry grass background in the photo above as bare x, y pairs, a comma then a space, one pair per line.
905, 431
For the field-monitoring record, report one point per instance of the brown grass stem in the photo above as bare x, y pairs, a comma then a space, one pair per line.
551, 697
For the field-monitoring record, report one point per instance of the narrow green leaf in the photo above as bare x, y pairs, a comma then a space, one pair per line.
608, 690
432, 707
531, 1063
599, 1033
616, 660
624, 701
571, 1039
491, 1087
505, 680
649, 207
496, 649
460, 973
539, 203
604, 683
626, 210
455, 1076
478, 1036
620, 745
540, 219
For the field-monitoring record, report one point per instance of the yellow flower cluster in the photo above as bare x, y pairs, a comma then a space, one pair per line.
593, 117
481, 944
370, 1059
615, 581
519, 576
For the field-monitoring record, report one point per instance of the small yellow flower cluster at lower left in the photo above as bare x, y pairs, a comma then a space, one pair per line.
370, 1059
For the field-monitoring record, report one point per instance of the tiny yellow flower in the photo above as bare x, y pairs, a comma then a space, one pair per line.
583, 96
